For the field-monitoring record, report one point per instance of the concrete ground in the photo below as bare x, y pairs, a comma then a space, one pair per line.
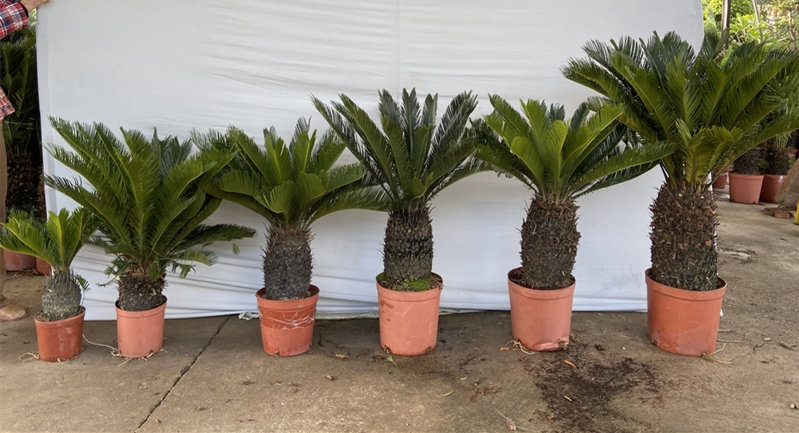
214, 376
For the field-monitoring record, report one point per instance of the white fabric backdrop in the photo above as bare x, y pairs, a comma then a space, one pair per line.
181, 65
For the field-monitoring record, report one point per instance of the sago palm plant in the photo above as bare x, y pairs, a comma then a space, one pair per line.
57, 242
412, 159
291, 186
560, 160
712, 109
146, 195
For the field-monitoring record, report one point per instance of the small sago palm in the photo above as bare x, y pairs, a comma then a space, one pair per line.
560, 160
712, 109
412, 159
146, 195
57, 242
291, 187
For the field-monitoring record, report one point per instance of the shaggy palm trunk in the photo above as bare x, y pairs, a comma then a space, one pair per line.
138, 293
287, 263
23, 182
549, 243
408, 248
61, 296
684, 238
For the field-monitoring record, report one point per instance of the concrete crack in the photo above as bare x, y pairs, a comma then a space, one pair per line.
182, 373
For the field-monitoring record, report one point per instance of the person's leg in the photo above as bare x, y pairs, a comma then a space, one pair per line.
3, 192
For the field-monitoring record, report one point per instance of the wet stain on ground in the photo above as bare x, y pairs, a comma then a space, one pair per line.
578, 398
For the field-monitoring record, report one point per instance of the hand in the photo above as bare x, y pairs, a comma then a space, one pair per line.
31, 5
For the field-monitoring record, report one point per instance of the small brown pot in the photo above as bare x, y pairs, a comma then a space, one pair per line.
771, 186
721, 181
409, 320
43, 267
683, 322
60, 340
745, 188
287, 326
140, 333
540, 319
17, 261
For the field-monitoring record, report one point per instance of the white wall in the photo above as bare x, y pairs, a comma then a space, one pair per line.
181, 65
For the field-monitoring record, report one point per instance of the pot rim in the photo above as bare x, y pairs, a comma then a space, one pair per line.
141, 314
734, 174
562, 290
57, 323
690, 295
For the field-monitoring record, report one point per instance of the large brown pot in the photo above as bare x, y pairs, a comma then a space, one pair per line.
409, 320
771, 185
60, 340
140, 333
683, 321
721, 180
745, 188
43, 267
17, 261
540, 319
287, 326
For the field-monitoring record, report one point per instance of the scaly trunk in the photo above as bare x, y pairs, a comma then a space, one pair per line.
138, 293
288, 263
408, 248
61, 296
549, 243
683, 237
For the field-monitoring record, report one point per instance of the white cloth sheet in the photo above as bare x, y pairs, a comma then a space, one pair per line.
180, 65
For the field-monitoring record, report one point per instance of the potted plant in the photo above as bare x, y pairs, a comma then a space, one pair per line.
745, 177
146, 195
412, 159
59, 326
291, 187
21, 132
778, 164
713, 109
559, 160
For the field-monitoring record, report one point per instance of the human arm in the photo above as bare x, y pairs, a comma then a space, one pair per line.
13, 17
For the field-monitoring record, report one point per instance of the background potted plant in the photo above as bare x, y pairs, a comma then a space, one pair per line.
559, 160
746, 180
778, 163
21, 132
59, 326
291, 187
713, 109
146, 195
412, 159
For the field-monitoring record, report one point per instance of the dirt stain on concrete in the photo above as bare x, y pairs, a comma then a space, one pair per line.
581, 398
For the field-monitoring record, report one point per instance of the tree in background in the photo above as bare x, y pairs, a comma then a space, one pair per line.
774, 22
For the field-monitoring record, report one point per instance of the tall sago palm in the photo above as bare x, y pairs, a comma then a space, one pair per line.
412, 159
146, 195
560, 160
712, 109
291, 187
57, 242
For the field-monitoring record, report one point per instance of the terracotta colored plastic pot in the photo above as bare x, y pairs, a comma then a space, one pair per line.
540, 319
409, 320
17, 261
771, 186
287, 326
745, 188
43, 267
140, 333
721, 181
60, 340
681, 321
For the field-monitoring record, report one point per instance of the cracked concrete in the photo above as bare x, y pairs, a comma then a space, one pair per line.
214, 376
